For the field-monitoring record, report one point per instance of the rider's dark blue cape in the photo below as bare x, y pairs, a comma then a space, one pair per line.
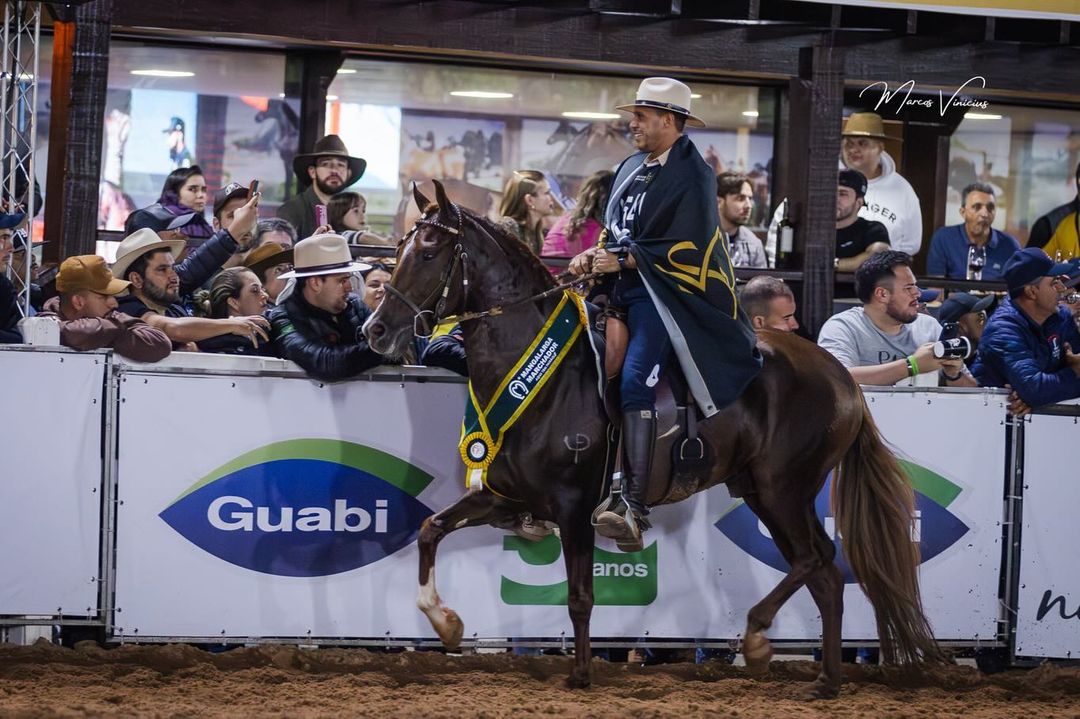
683, 260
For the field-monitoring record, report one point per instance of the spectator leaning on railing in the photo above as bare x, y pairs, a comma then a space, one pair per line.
887, 340
235, 292
317, 322
1030, 341
89, 320
147, 262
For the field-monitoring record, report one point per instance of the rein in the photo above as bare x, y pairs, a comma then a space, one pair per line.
442, 290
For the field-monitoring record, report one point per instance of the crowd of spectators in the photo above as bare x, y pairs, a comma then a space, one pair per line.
289, 286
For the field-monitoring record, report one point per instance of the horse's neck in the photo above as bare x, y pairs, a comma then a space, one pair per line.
494, 344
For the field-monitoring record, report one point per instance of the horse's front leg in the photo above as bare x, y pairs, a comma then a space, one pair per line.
578, 538
474, 508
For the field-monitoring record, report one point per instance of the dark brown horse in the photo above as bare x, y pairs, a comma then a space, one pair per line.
800, 418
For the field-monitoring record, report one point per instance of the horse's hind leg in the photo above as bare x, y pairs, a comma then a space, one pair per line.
803, 543
472, 509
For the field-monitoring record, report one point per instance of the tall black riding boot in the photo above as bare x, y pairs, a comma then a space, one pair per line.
639, 438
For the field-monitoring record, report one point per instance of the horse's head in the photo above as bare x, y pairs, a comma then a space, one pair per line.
427, 283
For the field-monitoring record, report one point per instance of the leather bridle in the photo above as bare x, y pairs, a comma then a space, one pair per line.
442, 290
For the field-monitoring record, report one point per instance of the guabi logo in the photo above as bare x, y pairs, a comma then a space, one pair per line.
619, 578
303, 508
936, 528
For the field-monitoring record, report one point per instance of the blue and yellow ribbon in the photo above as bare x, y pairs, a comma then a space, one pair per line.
482, 431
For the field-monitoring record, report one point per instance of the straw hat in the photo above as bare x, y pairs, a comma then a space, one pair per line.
326, 254
137, 244
864, 124
664, 93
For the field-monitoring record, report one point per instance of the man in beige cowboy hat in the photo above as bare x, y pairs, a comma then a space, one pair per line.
89, 320
148, 263
326, 171
889, 199
662, 214
317, 321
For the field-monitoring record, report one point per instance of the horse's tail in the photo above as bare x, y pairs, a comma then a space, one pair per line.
874, 508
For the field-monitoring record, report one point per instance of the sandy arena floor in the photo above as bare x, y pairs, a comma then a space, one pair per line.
182, 681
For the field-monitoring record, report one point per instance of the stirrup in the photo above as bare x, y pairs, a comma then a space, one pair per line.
624, 528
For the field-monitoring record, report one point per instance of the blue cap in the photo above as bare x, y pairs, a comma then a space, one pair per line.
926, 296
1030, 264
11, 219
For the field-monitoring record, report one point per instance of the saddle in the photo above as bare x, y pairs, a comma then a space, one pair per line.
682, 457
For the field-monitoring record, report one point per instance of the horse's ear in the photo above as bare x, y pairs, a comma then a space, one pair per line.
421, 201
441, 199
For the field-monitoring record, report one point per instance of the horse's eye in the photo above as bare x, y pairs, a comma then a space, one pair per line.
427, 256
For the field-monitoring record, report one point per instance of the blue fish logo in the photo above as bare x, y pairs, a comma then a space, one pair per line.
936, 528
304, 508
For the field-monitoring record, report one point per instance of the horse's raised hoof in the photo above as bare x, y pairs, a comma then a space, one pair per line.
450, 629
579, 679
757, 652
822, 688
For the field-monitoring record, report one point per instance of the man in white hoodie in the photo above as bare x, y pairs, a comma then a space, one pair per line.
889, 199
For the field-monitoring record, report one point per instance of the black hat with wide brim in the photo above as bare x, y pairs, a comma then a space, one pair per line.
329, 146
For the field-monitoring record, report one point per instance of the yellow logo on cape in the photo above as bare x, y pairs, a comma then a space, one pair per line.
697, 275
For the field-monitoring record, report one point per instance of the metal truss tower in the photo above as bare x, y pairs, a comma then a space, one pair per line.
18, 123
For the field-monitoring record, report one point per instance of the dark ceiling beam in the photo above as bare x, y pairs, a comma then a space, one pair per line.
1007, 67
510, 31
505, 32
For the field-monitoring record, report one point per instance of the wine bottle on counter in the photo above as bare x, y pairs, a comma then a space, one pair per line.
785, 241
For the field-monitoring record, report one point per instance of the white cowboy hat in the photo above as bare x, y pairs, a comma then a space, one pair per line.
326, 254
137, 244
663, 93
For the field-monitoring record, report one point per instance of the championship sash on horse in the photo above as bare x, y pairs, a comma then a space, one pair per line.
482, 431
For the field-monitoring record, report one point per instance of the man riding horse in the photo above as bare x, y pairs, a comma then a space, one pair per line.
674, 282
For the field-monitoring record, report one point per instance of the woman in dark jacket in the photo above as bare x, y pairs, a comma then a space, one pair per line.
235, 292
184, 192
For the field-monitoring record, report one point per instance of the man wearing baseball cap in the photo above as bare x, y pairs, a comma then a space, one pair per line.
317, 321
227, 202
1029, 343
89, 320
856, 237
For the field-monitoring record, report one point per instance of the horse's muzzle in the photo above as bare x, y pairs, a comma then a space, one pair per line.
385, 340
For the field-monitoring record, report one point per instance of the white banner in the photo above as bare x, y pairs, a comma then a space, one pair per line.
50, 494
296, 514
1049, 603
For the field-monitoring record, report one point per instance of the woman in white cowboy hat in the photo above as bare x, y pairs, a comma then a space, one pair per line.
673, 278
318, 319
324, 172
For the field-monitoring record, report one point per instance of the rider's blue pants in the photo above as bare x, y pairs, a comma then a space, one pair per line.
649, 350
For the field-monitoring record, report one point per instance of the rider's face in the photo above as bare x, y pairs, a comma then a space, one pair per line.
648, 127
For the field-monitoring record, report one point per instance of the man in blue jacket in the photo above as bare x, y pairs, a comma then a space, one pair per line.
1029, 341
